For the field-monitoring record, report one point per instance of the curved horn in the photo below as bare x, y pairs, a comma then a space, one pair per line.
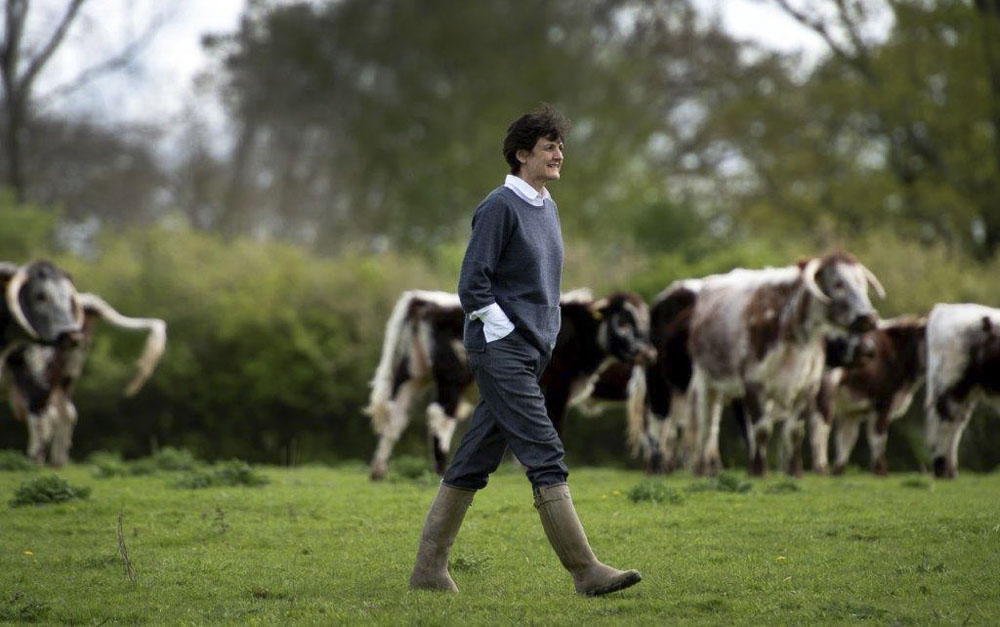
809, 278
13, 289
873, 280
156, 340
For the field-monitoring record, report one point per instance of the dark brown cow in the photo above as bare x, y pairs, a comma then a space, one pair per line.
41, 379
758, 336
878, 389
423, 346
963, 367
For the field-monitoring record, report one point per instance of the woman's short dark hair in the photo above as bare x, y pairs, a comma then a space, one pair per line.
523, 133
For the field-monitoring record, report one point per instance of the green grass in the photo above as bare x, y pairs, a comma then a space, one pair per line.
320, 546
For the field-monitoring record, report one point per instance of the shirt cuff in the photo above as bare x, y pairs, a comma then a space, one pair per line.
496, 324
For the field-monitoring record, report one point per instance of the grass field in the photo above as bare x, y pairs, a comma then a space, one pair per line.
322, 545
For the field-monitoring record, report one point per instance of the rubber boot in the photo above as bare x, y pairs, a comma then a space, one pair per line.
565, 533
443, 520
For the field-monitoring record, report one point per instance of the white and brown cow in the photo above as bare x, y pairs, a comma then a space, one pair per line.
963, 366
423, 347
41, 379
876, 389
758, 336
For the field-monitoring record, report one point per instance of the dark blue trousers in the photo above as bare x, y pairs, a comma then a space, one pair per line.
511, 412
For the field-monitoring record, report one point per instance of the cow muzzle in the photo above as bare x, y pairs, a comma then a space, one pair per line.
645, 355
863, 323
69, 339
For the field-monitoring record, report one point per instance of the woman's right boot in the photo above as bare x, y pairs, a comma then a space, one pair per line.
443, 521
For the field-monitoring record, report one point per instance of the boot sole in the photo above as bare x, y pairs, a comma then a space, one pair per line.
627, 581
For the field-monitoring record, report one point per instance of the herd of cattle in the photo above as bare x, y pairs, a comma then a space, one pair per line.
47, 331
801, 345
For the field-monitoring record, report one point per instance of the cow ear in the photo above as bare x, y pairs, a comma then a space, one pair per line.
7, 270
597, 308
987, 325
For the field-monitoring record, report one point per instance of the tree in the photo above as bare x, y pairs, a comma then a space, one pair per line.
369, 123
20, 66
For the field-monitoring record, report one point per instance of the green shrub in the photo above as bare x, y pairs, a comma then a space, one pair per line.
47, 489
108, 464
725, 482
411, 467
15, 460
783, 487
231, 473
655, 492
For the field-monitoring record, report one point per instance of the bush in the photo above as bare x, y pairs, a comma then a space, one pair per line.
231, 473
15, 460
655, 492
47, 489
108, 464
725, 482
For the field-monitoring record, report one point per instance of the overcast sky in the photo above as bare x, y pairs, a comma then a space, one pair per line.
159, 86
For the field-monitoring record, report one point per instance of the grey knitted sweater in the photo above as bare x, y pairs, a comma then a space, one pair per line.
515, 259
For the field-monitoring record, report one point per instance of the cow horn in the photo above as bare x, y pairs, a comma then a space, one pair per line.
13, 288
78, 312
597, 306
809, 278
873, 280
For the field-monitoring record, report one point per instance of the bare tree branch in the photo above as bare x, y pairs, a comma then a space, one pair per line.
50, 47
112, 64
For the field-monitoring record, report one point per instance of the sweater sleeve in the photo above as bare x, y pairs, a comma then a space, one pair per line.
492, 225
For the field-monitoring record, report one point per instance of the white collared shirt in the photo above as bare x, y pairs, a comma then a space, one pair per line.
496, 324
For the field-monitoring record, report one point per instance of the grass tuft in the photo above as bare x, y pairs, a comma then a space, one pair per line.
785, 486
18, 609
725, 482
166, 459
232, 473
469, 563
919, 483
45, 490
15, 461
655, 492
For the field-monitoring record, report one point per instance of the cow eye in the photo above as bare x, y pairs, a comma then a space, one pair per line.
40, 297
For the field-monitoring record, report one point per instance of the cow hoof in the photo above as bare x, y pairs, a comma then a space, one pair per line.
379, 472
823, 471
839, 469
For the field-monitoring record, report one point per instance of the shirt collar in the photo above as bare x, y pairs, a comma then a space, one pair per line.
526, 192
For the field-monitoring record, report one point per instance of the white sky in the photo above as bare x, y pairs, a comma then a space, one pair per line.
159, 86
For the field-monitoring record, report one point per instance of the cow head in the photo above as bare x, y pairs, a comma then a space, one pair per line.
848, 349
624, 327
43, 303
840, 282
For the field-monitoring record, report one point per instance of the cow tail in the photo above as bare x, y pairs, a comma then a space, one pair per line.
635, 409
393, 349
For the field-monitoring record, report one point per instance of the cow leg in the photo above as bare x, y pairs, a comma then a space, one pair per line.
442, 416
820, 425
711, 460
878, 436
40, 427
847, 436
680, 414
399, 418
819, 438
36, 443
946, 419
758, 426
62, 438
793, 434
